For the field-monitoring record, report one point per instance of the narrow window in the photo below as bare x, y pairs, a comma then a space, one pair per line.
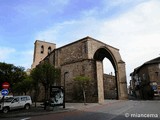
85, 47
42, 49
144, 76
49, 50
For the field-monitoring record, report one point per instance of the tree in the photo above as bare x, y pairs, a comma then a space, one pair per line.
47, 79
11, 74
82, 81
24, 86
36, 76
27, 84
46, 74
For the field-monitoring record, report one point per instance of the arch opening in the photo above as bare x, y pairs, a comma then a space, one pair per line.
107, 63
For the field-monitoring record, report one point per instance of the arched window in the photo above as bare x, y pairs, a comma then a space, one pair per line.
49, 50
42, 49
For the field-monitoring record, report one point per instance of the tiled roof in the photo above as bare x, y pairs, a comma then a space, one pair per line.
153, 61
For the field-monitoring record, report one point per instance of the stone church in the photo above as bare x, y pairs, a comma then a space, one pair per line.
84, 57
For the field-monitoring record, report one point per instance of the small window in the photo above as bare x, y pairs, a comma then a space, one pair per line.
28, 98
16, 100
42, 49
49, 50
23, 99
144, 76
85, 47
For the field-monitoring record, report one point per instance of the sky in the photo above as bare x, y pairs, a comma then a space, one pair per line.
132, 26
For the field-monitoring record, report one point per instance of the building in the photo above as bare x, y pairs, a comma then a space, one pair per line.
41, 50
84, 57
146, 78
110, 88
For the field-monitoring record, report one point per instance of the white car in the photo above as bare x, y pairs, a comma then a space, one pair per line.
15, 102
6, 97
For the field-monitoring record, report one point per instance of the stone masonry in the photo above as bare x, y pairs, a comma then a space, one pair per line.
41, 50
110, 88
84, 57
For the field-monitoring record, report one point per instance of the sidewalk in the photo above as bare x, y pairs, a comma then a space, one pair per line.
82, 106
69, 107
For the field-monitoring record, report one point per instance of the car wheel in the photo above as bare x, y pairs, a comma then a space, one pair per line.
27, 106
5, 110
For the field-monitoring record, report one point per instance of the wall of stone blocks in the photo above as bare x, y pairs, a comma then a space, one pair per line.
110, 89
38, 55
71, 53
77, 58
86, 68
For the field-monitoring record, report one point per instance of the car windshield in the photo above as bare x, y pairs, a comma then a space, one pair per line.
8, 100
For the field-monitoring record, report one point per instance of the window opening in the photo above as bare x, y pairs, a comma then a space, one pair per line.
42, 49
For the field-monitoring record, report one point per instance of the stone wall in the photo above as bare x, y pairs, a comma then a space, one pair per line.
110, 89
77, 58
71, 53
41, 50
84, 68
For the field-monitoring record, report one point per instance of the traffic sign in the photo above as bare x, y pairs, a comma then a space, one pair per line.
5, 85
4, 92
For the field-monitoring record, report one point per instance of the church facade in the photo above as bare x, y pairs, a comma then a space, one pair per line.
85, 57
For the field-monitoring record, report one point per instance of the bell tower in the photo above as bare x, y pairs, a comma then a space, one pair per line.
41, 50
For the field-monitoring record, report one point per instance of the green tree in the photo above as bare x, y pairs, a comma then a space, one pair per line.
11, 74
46, 74
83, 82
36, 76
47, 79
24, 86
27, 84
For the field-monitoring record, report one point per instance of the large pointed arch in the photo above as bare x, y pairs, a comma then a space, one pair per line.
103, 52
99, 56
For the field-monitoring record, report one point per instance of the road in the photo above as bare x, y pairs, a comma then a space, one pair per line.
118, 110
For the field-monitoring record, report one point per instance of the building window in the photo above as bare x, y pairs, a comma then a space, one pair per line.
42, 49
49, 50
85, 47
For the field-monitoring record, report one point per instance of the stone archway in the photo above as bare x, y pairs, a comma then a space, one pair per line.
119, 67
99, 56
84, 57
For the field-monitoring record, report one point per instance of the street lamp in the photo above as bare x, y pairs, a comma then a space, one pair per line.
64, 89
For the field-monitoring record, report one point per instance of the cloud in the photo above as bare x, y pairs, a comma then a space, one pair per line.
36, 8
59, 4
135, 32
69, 31
6, 53
10, 55
50, 34
26, 58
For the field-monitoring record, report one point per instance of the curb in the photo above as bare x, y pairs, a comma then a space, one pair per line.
34, 113
41, 111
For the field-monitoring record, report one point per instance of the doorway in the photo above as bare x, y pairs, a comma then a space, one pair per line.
109, 80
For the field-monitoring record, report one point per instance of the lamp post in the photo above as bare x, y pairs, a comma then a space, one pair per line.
64, 89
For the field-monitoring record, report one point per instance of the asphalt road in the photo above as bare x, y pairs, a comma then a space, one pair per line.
119, 110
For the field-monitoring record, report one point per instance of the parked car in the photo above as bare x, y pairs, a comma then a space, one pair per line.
15, 102
5, 97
